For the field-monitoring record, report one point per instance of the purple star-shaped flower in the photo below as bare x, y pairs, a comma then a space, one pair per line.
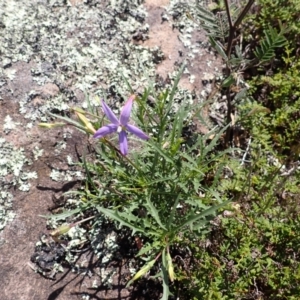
120, 126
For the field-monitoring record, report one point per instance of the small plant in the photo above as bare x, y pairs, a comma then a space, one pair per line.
170, 185
275, 85
225, 32
159, 190
250, 256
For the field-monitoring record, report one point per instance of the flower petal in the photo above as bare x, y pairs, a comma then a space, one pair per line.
109, 113
123, 142
138, 132
126, 110
104, 130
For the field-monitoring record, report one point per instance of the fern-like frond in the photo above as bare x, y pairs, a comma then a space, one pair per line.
273, 39
208, 21
215, 25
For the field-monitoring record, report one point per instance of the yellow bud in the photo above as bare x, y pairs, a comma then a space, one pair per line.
144, 269
170, 267
98, 99
166, 145
78, 109
89, 127
61, 230
49, 125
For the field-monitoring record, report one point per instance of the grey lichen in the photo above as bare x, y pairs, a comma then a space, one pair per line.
9, 124
37, 152
184, 18
65, 175
6, 213
85, 47
12, 174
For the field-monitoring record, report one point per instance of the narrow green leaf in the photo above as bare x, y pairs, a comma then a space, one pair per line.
174, 87
161, 152
63, 215
179, 118
165, 277
115, 216
216, 45
173, 210
154, 212
196, 217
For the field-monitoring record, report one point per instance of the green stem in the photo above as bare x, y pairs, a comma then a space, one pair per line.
121, 155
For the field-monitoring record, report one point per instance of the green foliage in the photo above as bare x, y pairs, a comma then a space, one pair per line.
253, 252
284, 97
272, 13
160, 190
272, 40
216, 26
170, 190
278, 91
250, 256
156, 190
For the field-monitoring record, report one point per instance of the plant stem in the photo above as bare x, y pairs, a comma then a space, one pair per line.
233, 27
232, 33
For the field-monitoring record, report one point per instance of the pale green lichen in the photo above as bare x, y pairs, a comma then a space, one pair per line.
86, 47
107, 276
9, 124
65, 175
70, 160
37, 152
6, 214
12, 174
60, 146
10, 73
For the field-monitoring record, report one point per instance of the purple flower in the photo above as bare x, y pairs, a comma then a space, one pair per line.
120, 126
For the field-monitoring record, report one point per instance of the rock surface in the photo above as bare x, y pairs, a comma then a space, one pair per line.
52, 52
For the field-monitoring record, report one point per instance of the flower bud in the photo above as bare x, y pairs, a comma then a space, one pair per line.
51, 125
78, 109
61, 230
170, 267
89, 127
144, 269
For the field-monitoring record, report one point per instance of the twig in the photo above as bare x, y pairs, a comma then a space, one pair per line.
232, 32
233, 27
246, 152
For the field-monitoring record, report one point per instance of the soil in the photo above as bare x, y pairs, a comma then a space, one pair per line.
18, 279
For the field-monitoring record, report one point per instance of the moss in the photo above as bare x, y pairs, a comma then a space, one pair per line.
276, 86
250, 257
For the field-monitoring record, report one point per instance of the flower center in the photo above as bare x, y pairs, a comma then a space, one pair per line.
120, 128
